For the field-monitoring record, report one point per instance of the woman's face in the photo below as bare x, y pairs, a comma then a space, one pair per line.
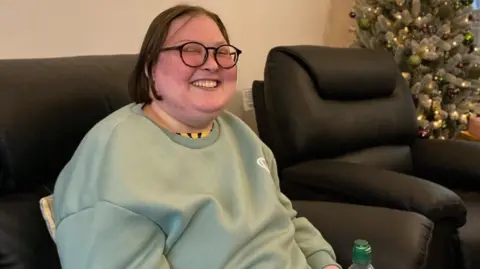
193, 95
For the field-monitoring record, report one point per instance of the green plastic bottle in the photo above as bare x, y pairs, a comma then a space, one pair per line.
361, 255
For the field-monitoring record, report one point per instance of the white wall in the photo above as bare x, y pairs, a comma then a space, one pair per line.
52, 28
55, 28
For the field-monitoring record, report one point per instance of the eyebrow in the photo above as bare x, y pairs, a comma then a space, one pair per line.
218, 43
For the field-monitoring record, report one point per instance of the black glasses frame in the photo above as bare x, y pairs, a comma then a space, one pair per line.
179, 48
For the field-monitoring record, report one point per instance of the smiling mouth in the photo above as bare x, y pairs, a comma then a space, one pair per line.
206, 84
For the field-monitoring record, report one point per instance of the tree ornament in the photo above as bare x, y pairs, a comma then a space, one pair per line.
464, 119
414, 60
440, 80
468, 39
437, 124
451, 92
437, 105
423, 133
454, 115
364, 23
352, 14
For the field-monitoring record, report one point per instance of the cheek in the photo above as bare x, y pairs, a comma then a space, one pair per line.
230, 75
170, 71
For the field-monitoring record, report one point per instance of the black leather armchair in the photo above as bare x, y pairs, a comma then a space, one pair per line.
342, 124
48, 105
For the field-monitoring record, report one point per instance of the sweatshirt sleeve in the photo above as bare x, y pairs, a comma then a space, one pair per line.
317, 250
107, 236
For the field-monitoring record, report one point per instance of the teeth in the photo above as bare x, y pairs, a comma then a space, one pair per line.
205, 83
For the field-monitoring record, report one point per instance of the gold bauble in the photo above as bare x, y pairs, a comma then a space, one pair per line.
414, 60
436, 105
364, 23
454, 115
437, 124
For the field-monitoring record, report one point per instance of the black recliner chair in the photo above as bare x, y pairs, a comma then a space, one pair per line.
342, 125
48, 105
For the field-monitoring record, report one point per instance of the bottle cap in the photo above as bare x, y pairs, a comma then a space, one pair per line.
362, 252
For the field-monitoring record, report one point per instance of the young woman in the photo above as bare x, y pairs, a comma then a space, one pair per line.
174, 181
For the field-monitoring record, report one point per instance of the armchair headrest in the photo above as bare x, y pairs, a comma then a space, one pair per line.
341, 73
324, 102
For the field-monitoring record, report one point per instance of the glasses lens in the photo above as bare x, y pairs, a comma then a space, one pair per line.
193, 54
226, 56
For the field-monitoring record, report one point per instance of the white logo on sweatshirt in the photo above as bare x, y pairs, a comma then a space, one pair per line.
263, 164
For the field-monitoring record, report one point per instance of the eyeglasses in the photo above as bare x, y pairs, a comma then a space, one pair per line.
194, 54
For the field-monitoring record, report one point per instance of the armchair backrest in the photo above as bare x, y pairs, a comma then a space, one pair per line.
319, 102
47, 106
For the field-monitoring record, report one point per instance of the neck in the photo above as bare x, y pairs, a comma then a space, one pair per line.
162, 118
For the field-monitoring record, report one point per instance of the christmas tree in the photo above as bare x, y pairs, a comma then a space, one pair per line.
432, 43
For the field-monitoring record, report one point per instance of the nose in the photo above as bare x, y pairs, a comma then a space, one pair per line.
210, 64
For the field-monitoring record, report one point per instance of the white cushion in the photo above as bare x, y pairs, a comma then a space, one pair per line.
46, 206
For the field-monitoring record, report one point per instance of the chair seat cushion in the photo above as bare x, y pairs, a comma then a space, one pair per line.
399, 239
24, 239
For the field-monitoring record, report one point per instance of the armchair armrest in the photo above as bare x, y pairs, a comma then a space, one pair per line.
341, 224
373, 186
452, 163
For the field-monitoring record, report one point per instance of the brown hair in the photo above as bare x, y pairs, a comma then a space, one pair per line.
139, 84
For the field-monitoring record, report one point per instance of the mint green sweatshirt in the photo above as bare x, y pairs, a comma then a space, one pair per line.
135, 195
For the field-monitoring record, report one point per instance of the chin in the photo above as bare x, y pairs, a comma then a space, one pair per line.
211, 109
211, 105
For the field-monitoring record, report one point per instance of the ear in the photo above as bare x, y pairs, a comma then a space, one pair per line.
151, 73
145, 70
